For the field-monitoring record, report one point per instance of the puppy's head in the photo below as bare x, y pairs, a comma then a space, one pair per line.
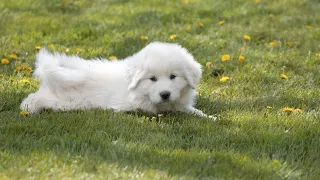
161, 71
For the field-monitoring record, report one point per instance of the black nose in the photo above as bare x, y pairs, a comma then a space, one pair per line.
165, 95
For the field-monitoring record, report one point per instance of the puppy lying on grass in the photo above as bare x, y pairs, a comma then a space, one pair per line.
161, 77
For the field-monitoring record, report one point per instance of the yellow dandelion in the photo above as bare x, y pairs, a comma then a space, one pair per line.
224, 79
24, 113
13, 56
283, 76
112, 58
290, 44
27, 73
185, 1
51, 46
221, 22
258, 1
269, 107
318, 54
78, 50
188, 27
209, 65
225, 57
308, 27
273, 43
26, 67
24, 81
241, 59
5, 61
297, 110
144, 37
287, 110
18, 68
173, 36
201, 25
271, 15
246, 37
38, 48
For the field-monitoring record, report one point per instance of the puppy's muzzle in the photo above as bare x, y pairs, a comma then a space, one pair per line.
165, 95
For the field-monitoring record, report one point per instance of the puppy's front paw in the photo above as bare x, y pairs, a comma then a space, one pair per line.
214, 118
30, 104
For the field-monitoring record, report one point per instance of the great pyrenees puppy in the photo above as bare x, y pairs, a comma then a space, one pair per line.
161, 77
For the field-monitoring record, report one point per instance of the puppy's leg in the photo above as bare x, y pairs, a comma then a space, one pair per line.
195, 111
42, 99
192, 110
31, 103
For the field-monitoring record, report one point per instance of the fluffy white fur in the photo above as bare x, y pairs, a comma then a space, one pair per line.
70, 82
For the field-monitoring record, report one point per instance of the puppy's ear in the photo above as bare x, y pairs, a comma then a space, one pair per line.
134, 76
193, 73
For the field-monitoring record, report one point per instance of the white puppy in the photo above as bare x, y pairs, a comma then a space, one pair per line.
161, 77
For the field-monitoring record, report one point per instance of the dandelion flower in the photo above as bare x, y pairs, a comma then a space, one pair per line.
78, 50
271, 15
26, 67
27, 73
201, 25
258, 1
144, 37
224, 79
297, 110
246, 37
221, 22
308, 27
13, 56
225, 58
112, 58
209, 65
24, 113
173, 36
284, 76
188, 27
290, 44
185, 1
38, 48
273, 43
241, 59
269, 107
18, 68
51, 46
24, 81
318, 54
5, 61
287, 110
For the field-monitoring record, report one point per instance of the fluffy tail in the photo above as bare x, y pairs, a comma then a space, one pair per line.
59, 70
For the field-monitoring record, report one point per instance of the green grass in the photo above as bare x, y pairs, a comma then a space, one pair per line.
247, 141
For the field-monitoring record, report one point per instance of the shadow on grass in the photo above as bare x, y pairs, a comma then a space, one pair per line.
177, 143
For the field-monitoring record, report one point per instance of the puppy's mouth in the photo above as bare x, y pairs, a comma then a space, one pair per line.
165, 100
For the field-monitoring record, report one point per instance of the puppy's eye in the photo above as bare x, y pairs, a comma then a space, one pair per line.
153, 78
172, 76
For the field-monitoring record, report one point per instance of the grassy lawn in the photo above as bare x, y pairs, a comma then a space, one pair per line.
254, 136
